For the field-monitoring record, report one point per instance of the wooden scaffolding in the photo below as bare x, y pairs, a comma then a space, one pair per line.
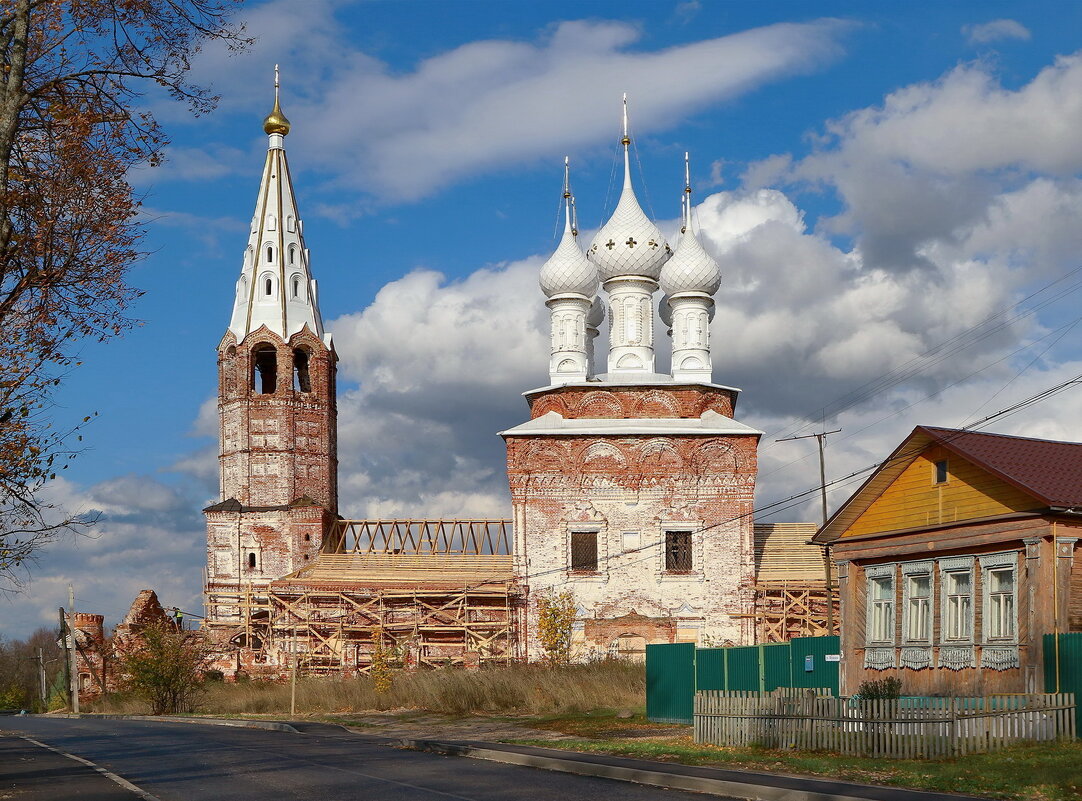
427, 593
790, 583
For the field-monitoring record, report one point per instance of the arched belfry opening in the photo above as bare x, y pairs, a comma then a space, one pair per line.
302, 380
264, 369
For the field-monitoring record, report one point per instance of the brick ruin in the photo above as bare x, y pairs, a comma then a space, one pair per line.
97, 655
631, 489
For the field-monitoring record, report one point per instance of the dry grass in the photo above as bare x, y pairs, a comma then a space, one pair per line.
515, 689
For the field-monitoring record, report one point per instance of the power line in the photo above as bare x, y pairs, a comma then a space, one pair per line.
795, 499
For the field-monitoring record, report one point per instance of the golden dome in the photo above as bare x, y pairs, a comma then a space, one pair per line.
276, 122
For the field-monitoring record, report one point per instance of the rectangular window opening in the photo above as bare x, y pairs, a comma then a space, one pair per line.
881, 598
678, 551
1000, 592
919, 609
958, 611
941, 474
584, 551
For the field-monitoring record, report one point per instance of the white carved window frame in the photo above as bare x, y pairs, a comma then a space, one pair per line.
597, 529
872, 575
990, 563
948, 566
912, 570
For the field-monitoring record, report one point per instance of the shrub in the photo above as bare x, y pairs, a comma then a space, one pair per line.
881, 689
166, 668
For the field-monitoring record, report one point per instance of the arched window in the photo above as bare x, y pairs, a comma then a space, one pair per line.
302, 381
267, 286
291, 223
270, 253
296, 287
242, 289
251, 560
292, 254
264, 369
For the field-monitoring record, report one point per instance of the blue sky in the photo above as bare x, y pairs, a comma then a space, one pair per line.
875, 179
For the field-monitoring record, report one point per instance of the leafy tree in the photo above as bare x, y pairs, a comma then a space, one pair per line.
166, 667
381, 672
555, 619
70, 129
20, 680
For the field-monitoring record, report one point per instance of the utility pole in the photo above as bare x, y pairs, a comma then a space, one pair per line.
41, 677
822, 435
74, 669
64, 634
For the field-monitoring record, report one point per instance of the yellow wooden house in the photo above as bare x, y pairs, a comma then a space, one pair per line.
954, 558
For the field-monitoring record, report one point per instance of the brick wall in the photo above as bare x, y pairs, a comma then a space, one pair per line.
630, 490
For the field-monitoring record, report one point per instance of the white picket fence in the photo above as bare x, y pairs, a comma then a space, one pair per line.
898, 728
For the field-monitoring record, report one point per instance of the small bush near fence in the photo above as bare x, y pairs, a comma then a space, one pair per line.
882, 727
890, 687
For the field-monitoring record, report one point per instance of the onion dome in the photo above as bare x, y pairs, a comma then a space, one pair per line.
629, 243
691, 268
276, 122
596, 315
568, 270
664, 310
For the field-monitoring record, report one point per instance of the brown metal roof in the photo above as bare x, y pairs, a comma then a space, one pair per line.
1050, 471
1047, 470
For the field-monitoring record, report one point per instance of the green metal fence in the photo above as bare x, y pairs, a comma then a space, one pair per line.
675, 671
670, 671
1063, 667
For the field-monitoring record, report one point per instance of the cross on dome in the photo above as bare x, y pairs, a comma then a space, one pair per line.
567, 270
691, 268
626, 228
276, 122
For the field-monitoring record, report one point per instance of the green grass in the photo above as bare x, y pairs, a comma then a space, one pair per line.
1041, 772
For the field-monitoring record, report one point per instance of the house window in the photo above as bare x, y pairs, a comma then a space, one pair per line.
584, 551
941, 472
881, 600
957, 623
678, 551
251, 561
918, 607
1000, 590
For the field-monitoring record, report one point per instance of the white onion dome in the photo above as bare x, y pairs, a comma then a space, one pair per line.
596, 315
691, 268
568, 270
629, 243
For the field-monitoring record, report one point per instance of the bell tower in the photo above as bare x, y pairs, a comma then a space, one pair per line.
278, 454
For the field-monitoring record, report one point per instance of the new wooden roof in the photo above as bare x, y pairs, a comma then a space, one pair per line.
782, 553
402, 571
1048, 471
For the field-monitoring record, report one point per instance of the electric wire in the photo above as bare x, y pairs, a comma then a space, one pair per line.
797, 498
940, 352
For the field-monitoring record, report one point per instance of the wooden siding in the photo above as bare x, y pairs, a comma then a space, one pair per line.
914, 499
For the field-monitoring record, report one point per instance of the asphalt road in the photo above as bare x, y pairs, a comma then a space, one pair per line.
189, 762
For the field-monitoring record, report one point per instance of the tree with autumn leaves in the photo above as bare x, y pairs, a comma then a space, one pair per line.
71, 126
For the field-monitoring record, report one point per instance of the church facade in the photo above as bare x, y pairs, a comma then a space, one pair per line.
631, 490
